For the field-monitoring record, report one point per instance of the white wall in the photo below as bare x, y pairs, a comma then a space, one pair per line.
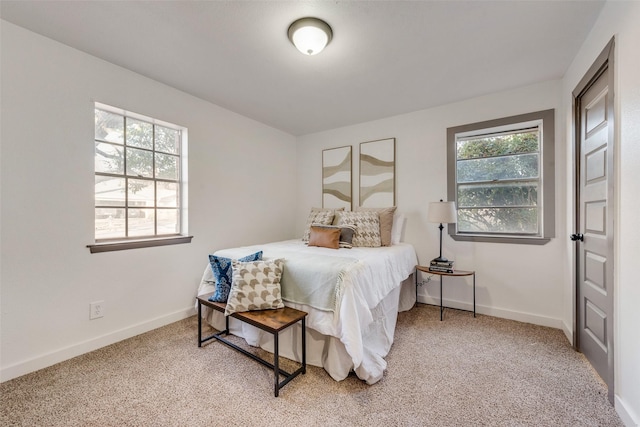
48, 276
523, 282
620, 19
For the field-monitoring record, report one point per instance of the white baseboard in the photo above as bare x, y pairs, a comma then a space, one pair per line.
66, 353
625, 414
496, 312
568, 332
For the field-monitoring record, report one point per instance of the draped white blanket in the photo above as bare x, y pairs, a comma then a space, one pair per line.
315, 280
363, 326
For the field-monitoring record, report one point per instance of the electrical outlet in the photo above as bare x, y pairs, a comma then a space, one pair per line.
96, 310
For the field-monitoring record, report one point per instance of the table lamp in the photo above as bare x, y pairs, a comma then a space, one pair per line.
442, 212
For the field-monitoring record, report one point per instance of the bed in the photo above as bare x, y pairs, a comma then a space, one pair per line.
353, 331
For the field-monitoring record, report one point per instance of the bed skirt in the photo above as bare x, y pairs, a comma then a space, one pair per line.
329, 352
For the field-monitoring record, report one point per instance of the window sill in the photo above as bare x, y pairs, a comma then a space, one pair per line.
120, 245
500, 239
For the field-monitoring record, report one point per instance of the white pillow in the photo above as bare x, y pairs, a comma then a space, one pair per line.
396, 230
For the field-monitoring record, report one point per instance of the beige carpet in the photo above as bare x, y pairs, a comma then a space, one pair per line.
463, 371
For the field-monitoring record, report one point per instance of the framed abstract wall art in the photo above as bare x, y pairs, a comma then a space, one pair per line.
336, 178
378, 173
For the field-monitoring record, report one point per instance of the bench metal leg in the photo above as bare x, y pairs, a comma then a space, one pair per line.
199, 324
304, 347
277, 372
276, 363
210, 337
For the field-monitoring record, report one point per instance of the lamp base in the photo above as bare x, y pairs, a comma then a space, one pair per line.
440, 259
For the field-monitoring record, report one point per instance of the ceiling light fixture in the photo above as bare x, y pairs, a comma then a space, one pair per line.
310, 35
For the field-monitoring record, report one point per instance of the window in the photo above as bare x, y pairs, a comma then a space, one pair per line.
139, 191
502, 178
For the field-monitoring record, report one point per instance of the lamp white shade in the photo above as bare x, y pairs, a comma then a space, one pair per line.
442, 212
310, 35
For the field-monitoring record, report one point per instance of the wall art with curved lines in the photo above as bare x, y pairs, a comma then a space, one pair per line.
336, 178
378, 173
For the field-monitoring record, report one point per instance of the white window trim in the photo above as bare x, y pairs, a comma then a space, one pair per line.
545, 119
108, 245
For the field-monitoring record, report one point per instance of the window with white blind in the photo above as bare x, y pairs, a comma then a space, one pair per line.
139, 181
502, 179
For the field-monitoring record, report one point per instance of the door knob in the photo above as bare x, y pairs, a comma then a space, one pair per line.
577, 236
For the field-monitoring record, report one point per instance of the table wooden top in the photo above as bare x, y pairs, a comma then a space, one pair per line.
425, 268
273, 320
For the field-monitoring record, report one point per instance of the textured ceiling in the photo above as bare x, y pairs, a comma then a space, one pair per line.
386, 58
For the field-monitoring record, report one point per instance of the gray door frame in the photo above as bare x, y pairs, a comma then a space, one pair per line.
605, 61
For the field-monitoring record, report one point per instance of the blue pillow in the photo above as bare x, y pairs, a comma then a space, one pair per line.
223, 274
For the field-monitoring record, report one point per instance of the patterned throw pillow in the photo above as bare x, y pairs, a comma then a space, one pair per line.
336, 213
317, 217
367, 227
256, 286
222, 273
386, 222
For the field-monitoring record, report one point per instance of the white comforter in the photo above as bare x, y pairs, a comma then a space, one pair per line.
378, 272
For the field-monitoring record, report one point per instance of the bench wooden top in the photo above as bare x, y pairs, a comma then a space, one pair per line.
268, 320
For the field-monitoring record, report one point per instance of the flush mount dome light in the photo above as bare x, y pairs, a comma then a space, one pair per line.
310, 35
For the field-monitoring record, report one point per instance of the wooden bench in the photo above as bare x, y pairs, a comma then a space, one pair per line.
272, 321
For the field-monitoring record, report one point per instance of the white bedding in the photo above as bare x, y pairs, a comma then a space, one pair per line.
359, 334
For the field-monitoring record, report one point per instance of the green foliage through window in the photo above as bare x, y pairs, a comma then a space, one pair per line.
498, 177
505, 144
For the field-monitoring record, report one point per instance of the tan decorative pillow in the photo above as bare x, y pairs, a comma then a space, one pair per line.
324, 237
386, 222
255, 286
317, 217
346, 233
367, 227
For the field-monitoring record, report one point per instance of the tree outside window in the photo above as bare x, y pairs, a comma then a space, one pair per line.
501, 177
137, 177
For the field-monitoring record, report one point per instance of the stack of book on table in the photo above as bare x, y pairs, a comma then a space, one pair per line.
441, 266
